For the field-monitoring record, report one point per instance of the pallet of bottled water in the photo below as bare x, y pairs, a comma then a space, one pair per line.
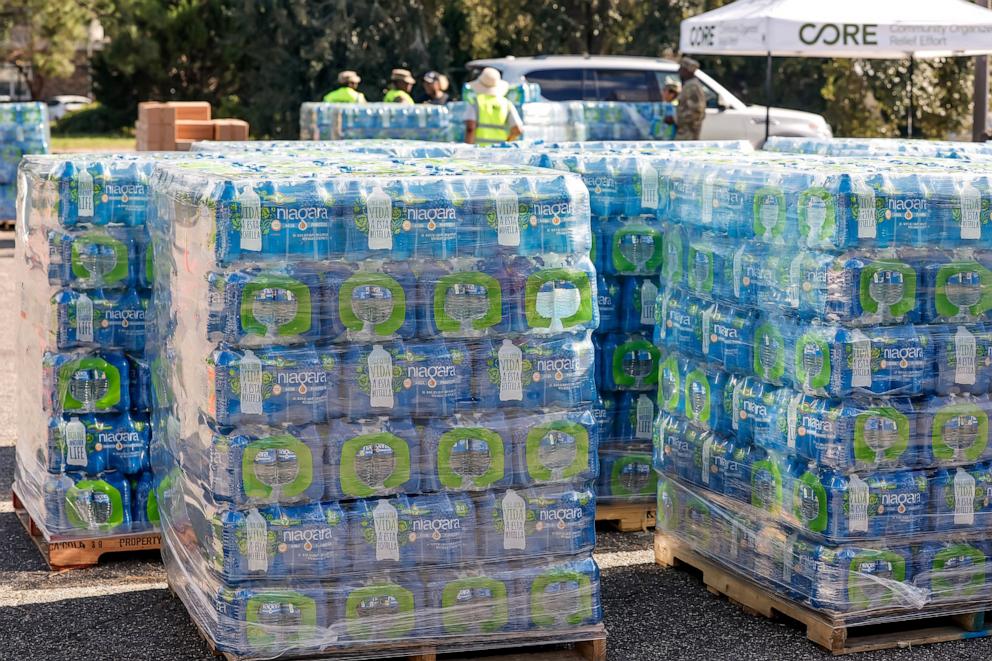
375, 383
356, 121
23, 130
825, 375
862, 147
84, 396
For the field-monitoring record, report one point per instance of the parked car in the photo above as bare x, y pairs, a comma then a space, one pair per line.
59, 106
621, 78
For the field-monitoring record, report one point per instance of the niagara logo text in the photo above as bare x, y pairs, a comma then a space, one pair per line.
293, 214
557, 365
916, 204
298, 378
734, 198
307, 535
122, 437
602, 183
129, 315
726, 332
125, 189
814, 424
445, 213
430, 371
754, 408
556, 209
890, 499
562, 514
904, 353
420, 525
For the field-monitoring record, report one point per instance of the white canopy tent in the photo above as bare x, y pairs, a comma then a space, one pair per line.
879, 29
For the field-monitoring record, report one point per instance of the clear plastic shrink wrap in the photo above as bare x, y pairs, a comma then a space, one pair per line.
84, 273
625, 182
376, 402
879, 147
23, 130
824, 380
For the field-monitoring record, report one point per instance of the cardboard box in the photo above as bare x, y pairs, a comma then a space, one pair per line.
230, 129
191, 110
194, 129
158, 113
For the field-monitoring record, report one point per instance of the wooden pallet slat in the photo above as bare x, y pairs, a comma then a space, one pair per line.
82, 552
628, 517
835, 634
495, 648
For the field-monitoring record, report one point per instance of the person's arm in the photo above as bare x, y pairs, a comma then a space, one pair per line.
471, 122
515, 126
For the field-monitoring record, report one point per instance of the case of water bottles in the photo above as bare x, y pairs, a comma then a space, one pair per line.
83, 402
23, 130
375, 394
824, 385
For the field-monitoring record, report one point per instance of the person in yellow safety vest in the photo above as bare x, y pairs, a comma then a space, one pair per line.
490, 118
400, 85
348, 92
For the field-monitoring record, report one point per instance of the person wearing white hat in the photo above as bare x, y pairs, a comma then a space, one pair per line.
348, 90
489, 117
401, 83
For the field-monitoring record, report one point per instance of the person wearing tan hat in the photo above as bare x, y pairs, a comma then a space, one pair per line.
401, 84
489, 117
348, 90
691, 110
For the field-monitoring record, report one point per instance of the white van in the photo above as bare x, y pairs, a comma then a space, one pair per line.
621, 78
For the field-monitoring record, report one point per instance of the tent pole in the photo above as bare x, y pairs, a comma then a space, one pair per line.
909, 121
981, 109
768, 96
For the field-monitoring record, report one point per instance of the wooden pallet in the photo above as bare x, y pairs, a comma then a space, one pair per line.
837, 635
628, 517
77, 553
588, 644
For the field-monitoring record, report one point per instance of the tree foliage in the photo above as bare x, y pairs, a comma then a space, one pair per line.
259, 59
41, 38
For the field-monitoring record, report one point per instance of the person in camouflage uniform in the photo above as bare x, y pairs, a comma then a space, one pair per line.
692, 102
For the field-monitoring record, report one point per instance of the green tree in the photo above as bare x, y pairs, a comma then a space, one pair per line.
167, 50
870, 98
41, 38
298, 48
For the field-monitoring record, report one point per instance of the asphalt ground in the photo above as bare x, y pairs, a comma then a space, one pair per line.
123, 610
